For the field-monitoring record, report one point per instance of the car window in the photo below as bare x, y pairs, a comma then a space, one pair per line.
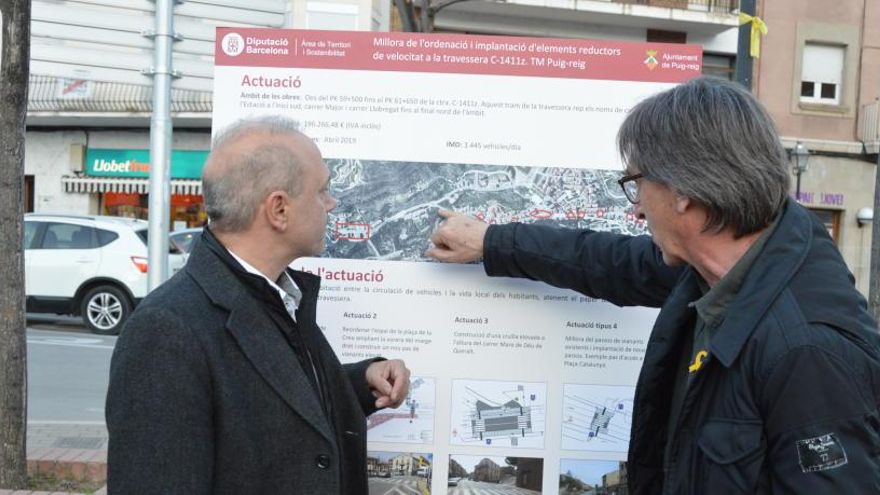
106, 237
30, 230
173, 248
184, 241
67, 236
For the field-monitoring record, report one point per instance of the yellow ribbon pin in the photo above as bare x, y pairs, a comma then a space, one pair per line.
758, 28
698, 362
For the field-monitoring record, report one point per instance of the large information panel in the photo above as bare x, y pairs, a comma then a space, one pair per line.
517, 387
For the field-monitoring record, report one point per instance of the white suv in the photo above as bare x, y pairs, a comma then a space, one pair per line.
92, 266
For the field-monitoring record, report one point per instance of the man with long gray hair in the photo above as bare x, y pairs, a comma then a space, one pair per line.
221, 381
762, 372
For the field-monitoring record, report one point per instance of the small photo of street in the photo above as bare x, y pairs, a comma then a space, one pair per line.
585, 477
494, 475
399, 473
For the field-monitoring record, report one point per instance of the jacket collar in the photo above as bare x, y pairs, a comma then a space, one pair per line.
308, 283
221, 279
784, 253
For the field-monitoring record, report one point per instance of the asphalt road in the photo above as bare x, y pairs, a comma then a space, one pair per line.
68, 369
396, 485
468, 487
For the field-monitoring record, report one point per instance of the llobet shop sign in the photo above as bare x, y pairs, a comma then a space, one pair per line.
185, 164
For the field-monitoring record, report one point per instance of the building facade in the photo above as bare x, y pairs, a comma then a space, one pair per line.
487, 470
819, 76
406, 464
711, 24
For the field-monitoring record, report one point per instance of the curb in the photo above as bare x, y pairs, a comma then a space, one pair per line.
78, 464
65, 464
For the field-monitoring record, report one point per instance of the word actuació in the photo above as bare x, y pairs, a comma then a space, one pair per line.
347, 275
271, 82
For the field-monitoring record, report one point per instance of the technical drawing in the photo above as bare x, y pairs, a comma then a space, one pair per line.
412, 422
596, 417
498, 413
507, 420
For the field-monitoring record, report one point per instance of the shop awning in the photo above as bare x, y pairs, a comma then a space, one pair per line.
125, 185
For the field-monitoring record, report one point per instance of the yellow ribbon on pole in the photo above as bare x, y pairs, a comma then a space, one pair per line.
758, 28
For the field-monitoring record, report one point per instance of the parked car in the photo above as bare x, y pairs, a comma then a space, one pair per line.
184, 239
453, 481
92, 266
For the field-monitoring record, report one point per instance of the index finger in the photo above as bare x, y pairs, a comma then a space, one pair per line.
439, 254
448, 213
400, 384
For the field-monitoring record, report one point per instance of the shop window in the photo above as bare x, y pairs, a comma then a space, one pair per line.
186, 210
128, 205
831, 220
822, 73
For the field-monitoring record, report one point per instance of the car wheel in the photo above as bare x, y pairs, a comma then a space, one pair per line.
104, 309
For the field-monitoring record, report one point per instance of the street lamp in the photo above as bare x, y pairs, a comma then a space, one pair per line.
799, 156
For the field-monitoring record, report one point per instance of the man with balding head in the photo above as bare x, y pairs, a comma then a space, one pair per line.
221, 381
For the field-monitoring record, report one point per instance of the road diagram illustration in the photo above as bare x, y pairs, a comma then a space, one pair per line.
412, 422
497, 413
387, 210
596, 417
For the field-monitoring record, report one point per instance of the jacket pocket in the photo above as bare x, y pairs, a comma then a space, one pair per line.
731, 454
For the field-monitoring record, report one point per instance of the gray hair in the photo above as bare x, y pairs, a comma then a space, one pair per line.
233, 194
711, 141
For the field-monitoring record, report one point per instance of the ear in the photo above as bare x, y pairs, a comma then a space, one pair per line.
682, 203
276, 207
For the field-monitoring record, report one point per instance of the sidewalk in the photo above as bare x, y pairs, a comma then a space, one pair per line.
66, 451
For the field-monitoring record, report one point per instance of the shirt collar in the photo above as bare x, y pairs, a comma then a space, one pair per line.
275, 285
712, 307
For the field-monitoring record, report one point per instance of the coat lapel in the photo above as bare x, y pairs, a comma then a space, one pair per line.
257, 335
270, 354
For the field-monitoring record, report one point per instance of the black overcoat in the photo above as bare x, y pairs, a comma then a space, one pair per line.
206, 394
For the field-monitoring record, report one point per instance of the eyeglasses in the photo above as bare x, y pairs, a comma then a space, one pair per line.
630, 187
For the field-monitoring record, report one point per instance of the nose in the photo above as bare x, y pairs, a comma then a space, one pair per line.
331, 204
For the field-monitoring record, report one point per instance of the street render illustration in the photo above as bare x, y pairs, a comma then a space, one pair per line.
387, 210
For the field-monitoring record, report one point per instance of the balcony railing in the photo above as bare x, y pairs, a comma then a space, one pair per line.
716, 6
869, 126
54, 94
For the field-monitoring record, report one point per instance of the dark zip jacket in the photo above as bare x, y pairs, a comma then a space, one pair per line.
787, 401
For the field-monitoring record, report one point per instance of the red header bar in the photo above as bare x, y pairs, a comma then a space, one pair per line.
454, 53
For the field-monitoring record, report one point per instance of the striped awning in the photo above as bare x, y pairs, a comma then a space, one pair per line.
125, 185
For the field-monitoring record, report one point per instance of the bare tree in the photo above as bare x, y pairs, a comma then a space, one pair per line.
14, 59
